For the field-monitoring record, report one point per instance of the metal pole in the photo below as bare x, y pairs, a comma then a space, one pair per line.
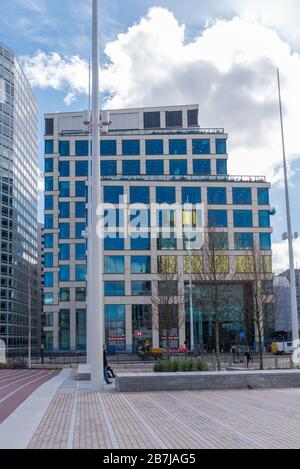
89, 239
295, 326
96, 312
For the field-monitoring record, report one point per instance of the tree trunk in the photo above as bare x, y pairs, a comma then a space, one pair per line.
261, 350
217, 344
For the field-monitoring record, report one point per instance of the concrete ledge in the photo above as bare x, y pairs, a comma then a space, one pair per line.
140, 382
84, 373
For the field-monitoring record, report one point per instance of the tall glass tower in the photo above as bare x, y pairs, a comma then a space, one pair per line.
18, 206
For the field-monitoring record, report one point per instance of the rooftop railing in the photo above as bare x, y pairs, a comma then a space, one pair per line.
208, 178
120, 132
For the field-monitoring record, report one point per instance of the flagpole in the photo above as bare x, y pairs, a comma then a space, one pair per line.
89, 235
295, 325
96, 311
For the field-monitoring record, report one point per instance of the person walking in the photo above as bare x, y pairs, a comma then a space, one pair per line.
248, 358
105, 366
233, 352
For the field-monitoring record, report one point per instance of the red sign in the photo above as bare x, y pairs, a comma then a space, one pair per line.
138, 334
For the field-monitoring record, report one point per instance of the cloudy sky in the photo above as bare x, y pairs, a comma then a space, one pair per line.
220, 54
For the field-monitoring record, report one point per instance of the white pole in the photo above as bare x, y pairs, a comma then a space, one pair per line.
89, 239
97, 319
295, 326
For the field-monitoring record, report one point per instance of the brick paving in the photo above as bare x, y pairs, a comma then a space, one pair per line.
17, 385
170, 420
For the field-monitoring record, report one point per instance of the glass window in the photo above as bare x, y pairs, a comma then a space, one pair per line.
64, 273
113, 194
242, 196
131, 168
48, 240
139, 194
218, 241
48, 279
154, 167
173, 119
49, 222
131, 147
202, 167
165, 195
64, 329
108, 148
80, 252
114, 288
141, 323
108, 168
49, 184
80, 210
264, 218
267, 287
64, 189
79, 229
64, 230
265, 241
80, 329
217, 196
49, 165
221, 146
49, 126
115, 327
64, 252
64, 295
114, 244
80, 189
167, 264
48, 298
141, 288
178, 167
167, 288
201, 146
141, 265
49, 147
48, 340
243, 241
243, 218
154, 147
217, 218
152, 120
64, 148
64, 169
80, 273
64, 209
81, 168
222, 167
48, 259
140, 244
177, 147
114, 264
80, 294
263, 196
191, 195
81, 148
193, 118
49, 202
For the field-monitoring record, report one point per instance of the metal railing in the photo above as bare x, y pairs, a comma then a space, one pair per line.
121, 132
169, 177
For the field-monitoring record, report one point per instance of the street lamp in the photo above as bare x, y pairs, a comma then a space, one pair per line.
295, 326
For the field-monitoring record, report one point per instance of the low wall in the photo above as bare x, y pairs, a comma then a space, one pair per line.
140, 382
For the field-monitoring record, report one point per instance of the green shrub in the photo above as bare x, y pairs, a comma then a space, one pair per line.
179, 365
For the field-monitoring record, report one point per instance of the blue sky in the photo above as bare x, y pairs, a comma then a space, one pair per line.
220, 54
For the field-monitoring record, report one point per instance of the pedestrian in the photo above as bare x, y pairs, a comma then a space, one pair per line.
233, 351
248, 358
105, 366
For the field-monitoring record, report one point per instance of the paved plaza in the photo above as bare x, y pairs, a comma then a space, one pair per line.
78, 418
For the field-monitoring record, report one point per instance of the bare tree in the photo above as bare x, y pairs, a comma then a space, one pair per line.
256, 269
168, 299
214, 276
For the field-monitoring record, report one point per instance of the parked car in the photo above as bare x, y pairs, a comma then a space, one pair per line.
282, 348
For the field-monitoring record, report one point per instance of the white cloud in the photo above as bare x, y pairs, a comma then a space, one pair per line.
230, 70
281, 255
53, 71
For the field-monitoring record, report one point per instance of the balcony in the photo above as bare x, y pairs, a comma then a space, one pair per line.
121, 133
188, 178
